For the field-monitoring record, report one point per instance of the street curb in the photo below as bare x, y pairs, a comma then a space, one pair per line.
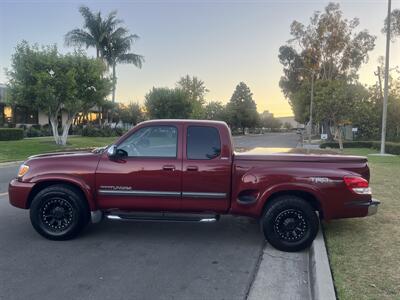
11, 163
321, 282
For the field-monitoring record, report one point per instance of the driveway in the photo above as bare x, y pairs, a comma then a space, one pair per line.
135, 260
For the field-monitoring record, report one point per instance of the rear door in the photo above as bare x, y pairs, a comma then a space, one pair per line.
206, 179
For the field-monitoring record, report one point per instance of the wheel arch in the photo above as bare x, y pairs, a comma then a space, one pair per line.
305, 195
39, 186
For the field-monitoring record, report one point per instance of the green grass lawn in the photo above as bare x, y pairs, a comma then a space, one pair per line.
20, 150
364, 253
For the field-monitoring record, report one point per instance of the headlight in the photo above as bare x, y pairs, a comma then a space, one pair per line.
23, 169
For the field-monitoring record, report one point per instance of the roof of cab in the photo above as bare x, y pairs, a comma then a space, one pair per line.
183, 121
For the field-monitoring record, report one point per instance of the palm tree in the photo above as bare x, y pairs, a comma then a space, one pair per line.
94, 32
117, 49
112, 43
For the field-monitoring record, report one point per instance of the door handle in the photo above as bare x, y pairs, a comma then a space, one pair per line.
168, 168
192, 168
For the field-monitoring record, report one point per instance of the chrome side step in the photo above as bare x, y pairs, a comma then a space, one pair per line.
162, 216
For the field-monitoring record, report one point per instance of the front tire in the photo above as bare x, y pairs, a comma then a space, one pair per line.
59, 212
290, 224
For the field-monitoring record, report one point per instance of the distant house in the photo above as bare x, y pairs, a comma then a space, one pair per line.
291, 121
16, 115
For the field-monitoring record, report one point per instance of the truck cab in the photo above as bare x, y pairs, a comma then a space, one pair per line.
185, 166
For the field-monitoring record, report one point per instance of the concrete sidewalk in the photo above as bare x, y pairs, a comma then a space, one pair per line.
281, 275
295, 276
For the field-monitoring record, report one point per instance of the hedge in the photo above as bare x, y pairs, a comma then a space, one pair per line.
105, 131
355, 144
10, 134
390, 147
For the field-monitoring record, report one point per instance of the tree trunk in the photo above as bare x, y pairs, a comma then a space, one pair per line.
54, 127
67, 125
339, 128
114, 82
327, 129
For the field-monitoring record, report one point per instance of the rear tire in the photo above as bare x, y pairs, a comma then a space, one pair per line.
59, 212
290, 223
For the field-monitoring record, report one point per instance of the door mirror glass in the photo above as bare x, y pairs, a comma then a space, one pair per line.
112, 151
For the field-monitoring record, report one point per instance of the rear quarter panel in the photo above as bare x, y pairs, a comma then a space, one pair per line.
269, 177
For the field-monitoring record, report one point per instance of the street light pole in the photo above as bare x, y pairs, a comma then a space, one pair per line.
386, 88
311, 106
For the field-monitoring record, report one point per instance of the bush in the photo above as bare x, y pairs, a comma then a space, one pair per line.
105, 131
391, 148
91, 131
10, 134
33, 132
36, 126
356, 144
46, 130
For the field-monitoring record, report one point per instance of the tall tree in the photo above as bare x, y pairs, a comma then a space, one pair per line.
329, 47
118, 45
337, 101
136, 113
214, 110
54, 83
267, 120
242, 109
111, 41
95, 30
165, 103
196, 91
394, 24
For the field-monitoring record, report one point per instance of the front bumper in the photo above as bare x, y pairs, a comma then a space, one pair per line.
18, 193
373, 207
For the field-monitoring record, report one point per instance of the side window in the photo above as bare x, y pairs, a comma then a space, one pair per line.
152, 141
203, 142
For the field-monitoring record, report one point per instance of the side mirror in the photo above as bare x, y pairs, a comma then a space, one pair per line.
112, 151
121, 154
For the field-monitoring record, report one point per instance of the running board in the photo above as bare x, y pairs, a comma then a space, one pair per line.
162, 216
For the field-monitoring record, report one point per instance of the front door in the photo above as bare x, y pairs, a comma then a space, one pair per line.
149, 178
206, 170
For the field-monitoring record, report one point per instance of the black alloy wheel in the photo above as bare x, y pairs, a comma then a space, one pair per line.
59, 212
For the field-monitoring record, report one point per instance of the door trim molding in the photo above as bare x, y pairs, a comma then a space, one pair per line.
137, 193
204, 195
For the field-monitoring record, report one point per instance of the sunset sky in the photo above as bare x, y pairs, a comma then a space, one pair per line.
221, 42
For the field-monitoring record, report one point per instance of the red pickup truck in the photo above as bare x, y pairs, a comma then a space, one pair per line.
187, 170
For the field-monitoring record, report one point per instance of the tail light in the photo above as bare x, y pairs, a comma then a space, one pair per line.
357, 184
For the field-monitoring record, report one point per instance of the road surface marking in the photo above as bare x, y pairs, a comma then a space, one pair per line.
3, 194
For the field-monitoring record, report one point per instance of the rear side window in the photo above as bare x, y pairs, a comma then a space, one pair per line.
203, 142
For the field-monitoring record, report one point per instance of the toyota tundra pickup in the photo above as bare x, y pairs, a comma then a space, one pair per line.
187, 170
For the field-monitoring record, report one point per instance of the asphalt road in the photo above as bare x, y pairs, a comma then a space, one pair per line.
133, 260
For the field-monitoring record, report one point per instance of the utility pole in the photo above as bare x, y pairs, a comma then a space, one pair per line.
386, 88
311, 106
